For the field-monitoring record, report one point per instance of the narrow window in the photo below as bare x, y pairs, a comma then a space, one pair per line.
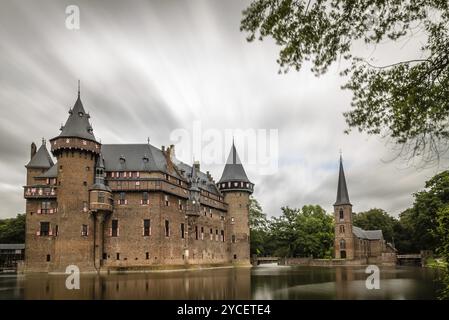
122, 199
101, 197
342, 217
147, 255
85, 208
211, 235
342, 244
235, 256
114, 228
196, 232
146, 227
222, 236
105, 256
216, 235
182, 231
180, 204
167, 228
48, 258
232, 219
145, 198
233, 238
202, 233
167, 203
56, 230
342, 229
45, 228
84, 230
118, 256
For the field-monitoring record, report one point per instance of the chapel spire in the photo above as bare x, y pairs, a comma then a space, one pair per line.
342, 189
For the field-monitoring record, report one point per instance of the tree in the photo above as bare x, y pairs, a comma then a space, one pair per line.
376, 219
405, 100
424, 213
443, 249
303, 232
258, 225
13, 230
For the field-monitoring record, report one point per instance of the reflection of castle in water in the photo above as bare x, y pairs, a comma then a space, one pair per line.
227, 283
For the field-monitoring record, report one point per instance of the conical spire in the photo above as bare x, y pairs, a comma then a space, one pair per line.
41, 159
99, 175
77, 124
233, 170
342, 190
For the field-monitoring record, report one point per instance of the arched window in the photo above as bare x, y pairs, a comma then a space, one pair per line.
342, 216
342, 229
342, 244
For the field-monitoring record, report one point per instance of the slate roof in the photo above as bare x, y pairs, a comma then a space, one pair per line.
146, 157
342, 189
77, 124
41, 159
50, 173
233, 170
367, 234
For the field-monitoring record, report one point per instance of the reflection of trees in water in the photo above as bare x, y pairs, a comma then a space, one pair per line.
227, 283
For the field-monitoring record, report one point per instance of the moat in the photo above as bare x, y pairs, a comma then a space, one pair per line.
263, 282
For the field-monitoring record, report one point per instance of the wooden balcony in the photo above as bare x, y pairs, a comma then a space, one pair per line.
40, 192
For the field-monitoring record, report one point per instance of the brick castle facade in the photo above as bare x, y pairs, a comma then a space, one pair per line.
129, 206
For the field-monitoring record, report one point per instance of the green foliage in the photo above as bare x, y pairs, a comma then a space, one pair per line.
376, 219
258, 224
407, 100
297, 232
443, 249
13, 230
303, 232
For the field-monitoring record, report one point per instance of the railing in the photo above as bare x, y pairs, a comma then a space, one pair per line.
40, 192
160, 185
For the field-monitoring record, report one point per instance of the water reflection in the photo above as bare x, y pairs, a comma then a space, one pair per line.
263, 282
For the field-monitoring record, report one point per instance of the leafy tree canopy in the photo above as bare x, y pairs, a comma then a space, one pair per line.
13, 230
374, 219
406, 100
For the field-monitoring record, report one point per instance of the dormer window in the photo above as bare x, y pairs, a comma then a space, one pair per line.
80, 114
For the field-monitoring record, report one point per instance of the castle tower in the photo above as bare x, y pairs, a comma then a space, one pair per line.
40, 161
236, 188
344, 240
76, 150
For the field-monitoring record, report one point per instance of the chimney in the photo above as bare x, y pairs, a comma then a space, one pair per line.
33, 150
209, 176
196, 164
171, 152
163, 148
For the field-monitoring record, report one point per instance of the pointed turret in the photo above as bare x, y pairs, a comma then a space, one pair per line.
99, 175
77, 124
234, 175
342, 190
40, 159
76, 133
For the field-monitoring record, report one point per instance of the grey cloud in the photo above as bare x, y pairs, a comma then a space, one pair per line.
149, 67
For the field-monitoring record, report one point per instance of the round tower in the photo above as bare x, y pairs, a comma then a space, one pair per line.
236, 189
76, 150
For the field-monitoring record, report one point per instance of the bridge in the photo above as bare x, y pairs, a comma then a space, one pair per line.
262, 260
415, 259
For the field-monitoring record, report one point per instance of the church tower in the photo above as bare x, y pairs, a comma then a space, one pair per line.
236, 188
344, 240
76, 150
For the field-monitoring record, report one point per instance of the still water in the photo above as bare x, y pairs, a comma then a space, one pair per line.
262, 282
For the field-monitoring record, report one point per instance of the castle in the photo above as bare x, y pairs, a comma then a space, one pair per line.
106, 207
354, 243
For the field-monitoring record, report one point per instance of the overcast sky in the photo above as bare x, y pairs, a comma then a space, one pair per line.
150, 67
